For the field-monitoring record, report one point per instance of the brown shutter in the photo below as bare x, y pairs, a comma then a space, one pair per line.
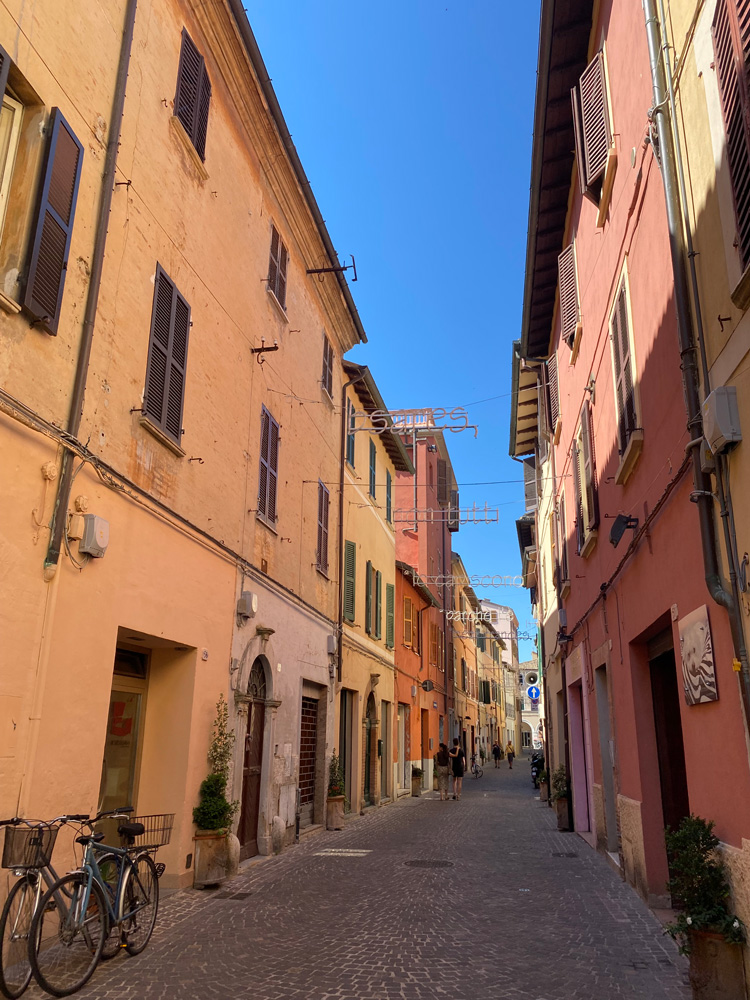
167, 356
277, 266
578, 134
730, 34
580, 532
193, 95
323, 504
273, 468
595, 130
623, 363
265, 423
5, 61
568, 286
408, 625
350, 570
283, 259
453, 512
589, 467
554, 397
50, 245
442, 483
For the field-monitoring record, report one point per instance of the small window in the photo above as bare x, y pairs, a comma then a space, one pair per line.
166, 368
193, 96
11, 115
388, 499
350, 570
277, 267
321, 557
327, 379
622, 357
408, 622
390, 614
269, 469
595, 151
373, 460
350, 432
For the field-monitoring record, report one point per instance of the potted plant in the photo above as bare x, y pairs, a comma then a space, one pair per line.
336, 799
416, 781
217, 850
561, 796
543, 785
705, 928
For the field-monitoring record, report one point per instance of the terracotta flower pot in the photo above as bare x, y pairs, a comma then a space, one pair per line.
217, 857
543, 791
335, 812
416, 785
716, 967
563, 813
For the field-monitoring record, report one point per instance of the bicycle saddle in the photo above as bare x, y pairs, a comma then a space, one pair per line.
131, 829
96, 837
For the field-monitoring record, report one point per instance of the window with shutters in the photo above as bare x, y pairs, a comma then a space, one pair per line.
408, 622
464, 675
369, 589
350, 573
377, 629
327, 378
373, 461
570, 309
166, 368
585, 481
269, 469
193, 95
11, 116
350, 432
629, 433
390, 612
321, 555
595, 151
277, 268
553, 399
433, 644
562, 533
731, 37
388, 497
443, 484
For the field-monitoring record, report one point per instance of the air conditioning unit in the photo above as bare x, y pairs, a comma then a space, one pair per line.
721, 418
414, 690
562, 618
95, 536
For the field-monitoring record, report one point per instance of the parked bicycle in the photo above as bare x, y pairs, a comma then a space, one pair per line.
476, 770
27, 851
110, 902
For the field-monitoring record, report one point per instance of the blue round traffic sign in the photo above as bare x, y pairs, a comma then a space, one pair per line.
533, 692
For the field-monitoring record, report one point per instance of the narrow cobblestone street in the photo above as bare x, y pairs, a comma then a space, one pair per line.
457, 900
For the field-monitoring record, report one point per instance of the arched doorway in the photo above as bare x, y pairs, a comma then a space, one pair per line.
252, 766
370, 754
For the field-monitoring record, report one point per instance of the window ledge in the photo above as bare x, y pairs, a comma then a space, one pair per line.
609, 179
279, 308
9, 305
179, 130
327, 397
159, 434
741, 292
630, 457
590, 544
266, 523
323, 573
557, 432
576, 345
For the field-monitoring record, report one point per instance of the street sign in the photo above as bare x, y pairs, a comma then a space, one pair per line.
533, 693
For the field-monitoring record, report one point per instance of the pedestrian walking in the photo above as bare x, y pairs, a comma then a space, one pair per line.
510, 753
458, 762
496, 751
442, 762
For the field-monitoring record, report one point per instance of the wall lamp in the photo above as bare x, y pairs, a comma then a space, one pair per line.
620, 523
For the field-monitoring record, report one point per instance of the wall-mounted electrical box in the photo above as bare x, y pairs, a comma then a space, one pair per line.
247, 604
721, 418
95, 537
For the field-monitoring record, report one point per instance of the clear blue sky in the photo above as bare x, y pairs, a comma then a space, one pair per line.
413, 121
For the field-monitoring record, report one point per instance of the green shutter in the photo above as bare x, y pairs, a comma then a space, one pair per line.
378, 603
388, 503
372, 468
350, 568
368, 598
390, 606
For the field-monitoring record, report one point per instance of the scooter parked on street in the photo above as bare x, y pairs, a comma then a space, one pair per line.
537, 766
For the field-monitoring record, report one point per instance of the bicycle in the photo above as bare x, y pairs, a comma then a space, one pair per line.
27, 852
110, 902
476, 770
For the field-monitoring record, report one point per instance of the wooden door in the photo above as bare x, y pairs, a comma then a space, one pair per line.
669, 745
251, 776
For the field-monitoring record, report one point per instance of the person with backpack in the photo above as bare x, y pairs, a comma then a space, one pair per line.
458, 763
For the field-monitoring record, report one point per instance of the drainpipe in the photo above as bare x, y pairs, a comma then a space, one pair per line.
702, 493
60, 511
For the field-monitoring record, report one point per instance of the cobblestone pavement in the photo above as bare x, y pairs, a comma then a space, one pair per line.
477, 899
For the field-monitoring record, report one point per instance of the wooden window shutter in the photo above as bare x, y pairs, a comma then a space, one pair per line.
595, 130
350, 433
454, 663
193, 96
327, 378
269, 467
589, 467
408, 624
166, 368
323, 505
373, 457
564, 572
623, 364
388, 499
5, 61
378, 604
433, 643
454, 512
390, 614
568, 288
442, 483
731, 35
350, 571
580, 530
553, 391
277, 267
368, 597
53, 227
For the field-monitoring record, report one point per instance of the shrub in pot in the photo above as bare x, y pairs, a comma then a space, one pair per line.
336, 799
544, 785
705, 928
561, 796
416, 781
217, 850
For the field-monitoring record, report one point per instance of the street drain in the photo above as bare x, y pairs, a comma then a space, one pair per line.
563, 854
428, 864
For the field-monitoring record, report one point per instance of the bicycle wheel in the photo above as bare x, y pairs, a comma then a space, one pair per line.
109, 869
141, 899
15, 926
68, 933
480, 772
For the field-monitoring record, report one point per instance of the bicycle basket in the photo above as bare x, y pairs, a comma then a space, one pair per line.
28, 847
157, 833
